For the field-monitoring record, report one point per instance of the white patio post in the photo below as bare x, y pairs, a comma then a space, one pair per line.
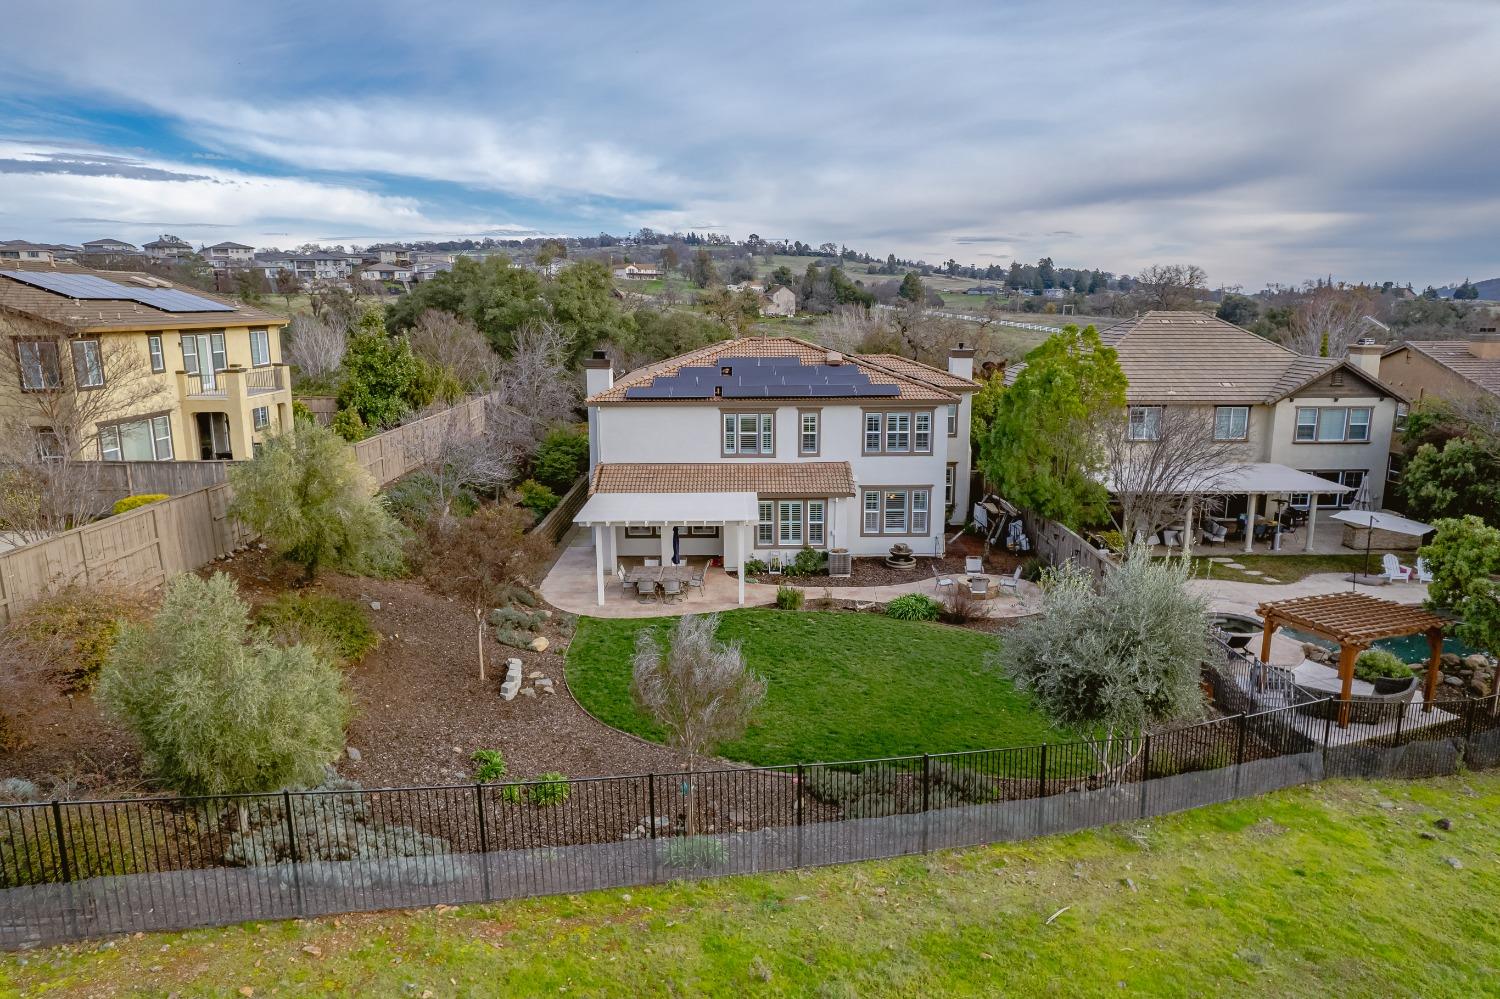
1249, 523
739, 547
1312, 521
599, 561
666, 544
1187, 533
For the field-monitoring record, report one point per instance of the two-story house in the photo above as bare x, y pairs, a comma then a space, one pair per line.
20, 249
227, 255
760, 446
110, 247
1328, 417
168, 248
124, 366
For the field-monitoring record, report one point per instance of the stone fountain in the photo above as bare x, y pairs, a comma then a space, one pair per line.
901, 557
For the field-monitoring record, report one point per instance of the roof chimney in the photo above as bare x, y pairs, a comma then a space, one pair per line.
1486, 346
961, 362
1365, 355
598, 374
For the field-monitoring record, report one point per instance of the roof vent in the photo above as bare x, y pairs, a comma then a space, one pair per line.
835, 358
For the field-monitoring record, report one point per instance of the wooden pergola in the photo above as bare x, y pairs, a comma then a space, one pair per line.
1354, 621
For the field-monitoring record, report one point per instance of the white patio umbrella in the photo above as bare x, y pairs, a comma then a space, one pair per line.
1374, 520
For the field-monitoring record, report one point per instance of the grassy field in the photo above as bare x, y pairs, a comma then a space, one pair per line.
841, 686
1330, 890
1283, 568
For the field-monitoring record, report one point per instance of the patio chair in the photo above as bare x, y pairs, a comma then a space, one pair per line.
940, 580
697, 579
973, 565
651, 563
1424, 571
1215, 535
647, 593
979, 586
1012, 581
1395, 572
671, 589
626, 585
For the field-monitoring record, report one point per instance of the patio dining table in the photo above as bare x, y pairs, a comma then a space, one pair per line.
659, 573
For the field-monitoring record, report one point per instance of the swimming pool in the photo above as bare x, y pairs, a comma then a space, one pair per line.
1408, 648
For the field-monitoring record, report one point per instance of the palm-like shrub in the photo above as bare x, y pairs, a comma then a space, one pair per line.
219, 708
308, 496
914, 607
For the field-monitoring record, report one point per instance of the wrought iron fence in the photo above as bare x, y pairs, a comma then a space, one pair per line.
85, 868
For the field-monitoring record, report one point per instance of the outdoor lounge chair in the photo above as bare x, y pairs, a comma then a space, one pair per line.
697, 578
1378, 708
940, 580
973, 565
1424, 571
1395, 572
1012, 581
671, 589
1215, 535
626, 585
979, 586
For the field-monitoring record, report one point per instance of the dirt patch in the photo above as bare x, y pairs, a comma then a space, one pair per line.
873, 571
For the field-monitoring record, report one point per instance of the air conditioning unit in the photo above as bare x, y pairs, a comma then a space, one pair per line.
840, 564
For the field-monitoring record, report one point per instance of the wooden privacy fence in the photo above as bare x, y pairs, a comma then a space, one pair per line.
1056, 544
149, 545
560, 518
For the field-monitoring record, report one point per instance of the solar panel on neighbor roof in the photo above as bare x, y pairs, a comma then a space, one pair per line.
89, 287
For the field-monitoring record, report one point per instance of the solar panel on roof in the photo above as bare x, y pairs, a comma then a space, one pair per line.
91, 288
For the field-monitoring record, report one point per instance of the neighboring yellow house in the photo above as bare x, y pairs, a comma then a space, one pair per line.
127, 366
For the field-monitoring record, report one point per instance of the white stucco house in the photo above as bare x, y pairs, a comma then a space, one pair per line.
763, 445
636, 272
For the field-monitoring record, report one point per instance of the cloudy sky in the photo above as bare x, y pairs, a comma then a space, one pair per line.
1265, 141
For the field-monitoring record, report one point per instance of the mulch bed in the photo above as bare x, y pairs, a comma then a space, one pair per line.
872, 571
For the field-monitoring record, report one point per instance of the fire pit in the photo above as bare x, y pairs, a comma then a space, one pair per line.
901, 557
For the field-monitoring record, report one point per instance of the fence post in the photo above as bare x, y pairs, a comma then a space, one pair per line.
291, 840
926, 773
1239, 752
800, 778
66, 868
1327, 732
651, 820
1400, 718
484, 840
1468, 729
1145, 772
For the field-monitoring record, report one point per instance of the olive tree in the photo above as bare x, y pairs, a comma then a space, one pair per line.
309, 497
1116, 659
697, 688
218, 707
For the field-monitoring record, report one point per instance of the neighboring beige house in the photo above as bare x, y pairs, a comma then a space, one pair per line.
168, 248
139, 369
229, 255
110, 247
780, 301
20, 249
636, 272
1444, 368
387, 272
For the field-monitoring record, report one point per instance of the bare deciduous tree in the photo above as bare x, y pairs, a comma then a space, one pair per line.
316, 345
1329, 319
533, 392
850, 327
454, 344
461, 459
1169, 286
50, 435
1153, 480
698, 689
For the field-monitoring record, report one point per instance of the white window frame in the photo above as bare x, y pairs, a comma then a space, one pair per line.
1224, 431
35, 369
809, 432
1347, 422
921, 432
789, 532
154, 348
260, 417
642, 531
874, 432
913, 519
872, 511
817, 523
950, 475
1149, 428
952, 419
158, 431
260, 348
919, 511
887, 510
89, 374
898, 433
765, 528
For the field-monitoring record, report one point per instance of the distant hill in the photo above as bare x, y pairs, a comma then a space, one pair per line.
1489, 290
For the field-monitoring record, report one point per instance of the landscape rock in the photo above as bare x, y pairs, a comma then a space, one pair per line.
375, 605
1476, 661
526, 692
1427, 834
1454, 863
1478, 685
538, 644
1450, 661
353, 753
1444, 824
1454, 681
535, 674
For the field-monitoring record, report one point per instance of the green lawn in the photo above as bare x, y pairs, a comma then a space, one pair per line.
1285, 568
1322, 891
841, 686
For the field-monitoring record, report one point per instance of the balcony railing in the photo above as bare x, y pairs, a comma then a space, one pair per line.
257, 381
262, 380
213, 389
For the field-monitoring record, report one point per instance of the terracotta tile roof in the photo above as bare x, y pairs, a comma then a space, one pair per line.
916, 370
1457, 358
118, 314
769, 346
767, 478
1194, 357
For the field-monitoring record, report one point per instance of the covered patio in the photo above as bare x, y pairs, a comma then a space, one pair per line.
1262, 484
1355, 621
734, 514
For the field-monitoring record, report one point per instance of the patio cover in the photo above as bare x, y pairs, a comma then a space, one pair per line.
1256, 477
624, 509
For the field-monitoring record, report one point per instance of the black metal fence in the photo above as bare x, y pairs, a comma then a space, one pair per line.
78, 869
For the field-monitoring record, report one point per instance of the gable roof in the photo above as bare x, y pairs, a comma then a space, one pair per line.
118, 314
908, 368
1195, 357
1482, 372
226, 245
909, 388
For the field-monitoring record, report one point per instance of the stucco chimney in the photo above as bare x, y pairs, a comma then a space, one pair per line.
598, 374
1365, 355
1485, 345
961, 362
